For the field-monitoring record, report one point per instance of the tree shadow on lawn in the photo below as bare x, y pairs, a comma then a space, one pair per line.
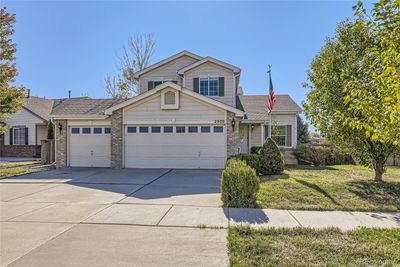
383, 193
309, 167
319, 190
274, 177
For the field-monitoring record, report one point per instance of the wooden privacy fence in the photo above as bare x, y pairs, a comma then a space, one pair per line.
48, 151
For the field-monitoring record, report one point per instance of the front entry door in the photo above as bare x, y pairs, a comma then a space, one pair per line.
244, 139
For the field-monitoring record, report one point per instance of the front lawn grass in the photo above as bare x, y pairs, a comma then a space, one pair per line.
311, 247
8, 169
340, 187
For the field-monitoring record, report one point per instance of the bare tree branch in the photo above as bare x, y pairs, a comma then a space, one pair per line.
135, 57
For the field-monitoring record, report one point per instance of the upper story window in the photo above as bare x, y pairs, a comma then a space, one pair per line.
208, 86
153, 84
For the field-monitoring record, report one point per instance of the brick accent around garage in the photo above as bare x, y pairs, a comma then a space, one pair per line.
116, 139
232, 135
61, 143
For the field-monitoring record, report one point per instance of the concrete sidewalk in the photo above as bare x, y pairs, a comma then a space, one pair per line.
345, 220
173, 215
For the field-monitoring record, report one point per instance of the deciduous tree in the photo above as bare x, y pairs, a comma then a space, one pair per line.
374, 98
11, 97
337, 64
134, 58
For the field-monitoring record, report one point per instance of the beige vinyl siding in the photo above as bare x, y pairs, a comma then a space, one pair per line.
41, 133
26, 119
213, 70
149, 111
255, 136
166, 72
89, 123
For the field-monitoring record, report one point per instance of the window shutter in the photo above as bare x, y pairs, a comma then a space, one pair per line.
11, 136
288, 135
221, 83
150, 85
196, 85
26, 136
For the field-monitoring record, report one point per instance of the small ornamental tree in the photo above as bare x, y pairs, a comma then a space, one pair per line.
50, 130
270, 158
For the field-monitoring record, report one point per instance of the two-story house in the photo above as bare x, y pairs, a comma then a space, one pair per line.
190, 113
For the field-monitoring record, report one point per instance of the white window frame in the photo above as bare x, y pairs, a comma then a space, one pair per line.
208, 78
170, 106
279, 135
16, 137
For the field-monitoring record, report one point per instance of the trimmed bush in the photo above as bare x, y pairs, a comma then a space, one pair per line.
250, 159
239, 185
322, 155
270, 158
50, 130
255, 149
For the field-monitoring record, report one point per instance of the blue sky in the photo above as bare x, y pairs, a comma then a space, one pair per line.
65, 46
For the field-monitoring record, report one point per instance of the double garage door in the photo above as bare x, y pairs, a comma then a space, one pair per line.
184, 146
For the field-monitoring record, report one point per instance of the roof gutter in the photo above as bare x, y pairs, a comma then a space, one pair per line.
78, 117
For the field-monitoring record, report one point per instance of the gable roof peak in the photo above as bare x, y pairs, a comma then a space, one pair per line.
209, 59
164, 61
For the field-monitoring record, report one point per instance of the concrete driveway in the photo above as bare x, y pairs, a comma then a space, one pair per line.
103, 217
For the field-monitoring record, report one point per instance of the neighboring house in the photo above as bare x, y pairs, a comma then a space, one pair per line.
189, 114
27, 128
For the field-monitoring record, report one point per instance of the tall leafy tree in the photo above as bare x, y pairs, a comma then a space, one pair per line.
374, 98
135, 57
337, 64
303, 135
11, 97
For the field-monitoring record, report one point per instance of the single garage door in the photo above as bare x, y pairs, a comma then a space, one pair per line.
90, 146
193, 146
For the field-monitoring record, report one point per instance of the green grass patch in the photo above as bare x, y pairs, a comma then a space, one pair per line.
8, 169
310, 247
4, 165
11, 172
341, 187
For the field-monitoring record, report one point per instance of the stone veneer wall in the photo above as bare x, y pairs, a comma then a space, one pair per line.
61, 143
116, 139
233, 139
20, 151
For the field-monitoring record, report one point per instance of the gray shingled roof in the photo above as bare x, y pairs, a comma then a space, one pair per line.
39, 106
83, 106
255, 106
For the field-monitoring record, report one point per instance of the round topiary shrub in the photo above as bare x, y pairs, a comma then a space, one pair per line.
239, 185
270, 158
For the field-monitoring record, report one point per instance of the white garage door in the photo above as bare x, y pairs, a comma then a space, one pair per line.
89, 146
199, 146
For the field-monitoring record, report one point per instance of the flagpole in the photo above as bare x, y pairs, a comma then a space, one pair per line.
270, 115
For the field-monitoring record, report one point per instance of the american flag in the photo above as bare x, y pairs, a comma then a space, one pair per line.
271, 95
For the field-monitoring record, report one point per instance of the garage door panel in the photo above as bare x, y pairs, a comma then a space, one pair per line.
89, 150
175, 150
176, 163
